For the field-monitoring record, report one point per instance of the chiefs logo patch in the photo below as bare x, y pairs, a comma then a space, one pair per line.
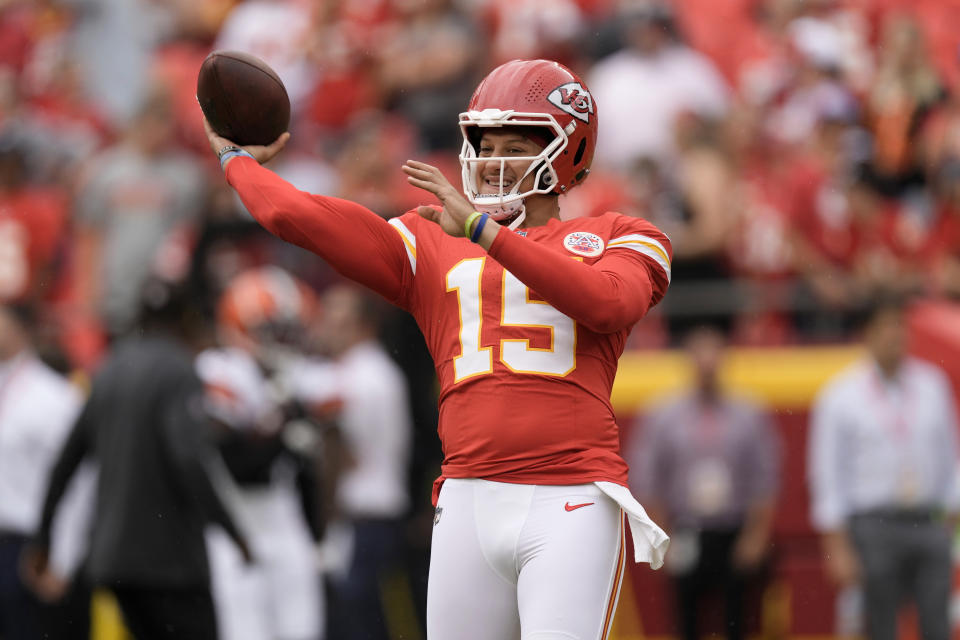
583, 244
573, 99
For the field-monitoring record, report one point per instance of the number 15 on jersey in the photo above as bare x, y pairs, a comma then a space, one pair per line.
517, 310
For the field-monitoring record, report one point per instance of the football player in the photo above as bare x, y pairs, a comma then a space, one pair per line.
525, 316
261, 318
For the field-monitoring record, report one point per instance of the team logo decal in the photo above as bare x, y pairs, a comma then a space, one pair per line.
573, 99
583, 244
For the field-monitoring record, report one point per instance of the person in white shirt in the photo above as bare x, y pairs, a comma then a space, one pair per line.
882, 472
37, 409
376, 428
646, 85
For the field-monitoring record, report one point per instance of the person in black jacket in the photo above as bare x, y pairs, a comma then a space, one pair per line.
146, 427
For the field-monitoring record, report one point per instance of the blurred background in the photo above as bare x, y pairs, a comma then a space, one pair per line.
802, 155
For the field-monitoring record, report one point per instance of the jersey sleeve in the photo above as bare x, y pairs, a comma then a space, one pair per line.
607, 296
356, 242
648, 244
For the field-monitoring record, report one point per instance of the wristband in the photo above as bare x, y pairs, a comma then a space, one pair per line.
228, 153
229, 147
469, 223
479, 229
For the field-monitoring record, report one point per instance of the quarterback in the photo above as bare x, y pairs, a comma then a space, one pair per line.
525, 316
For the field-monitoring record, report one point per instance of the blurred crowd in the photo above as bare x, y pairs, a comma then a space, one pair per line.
802, 155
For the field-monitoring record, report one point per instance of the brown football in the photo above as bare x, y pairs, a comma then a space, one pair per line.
243, 98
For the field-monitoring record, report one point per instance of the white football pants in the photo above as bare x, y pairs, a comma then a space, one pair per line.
524, 562
279, 596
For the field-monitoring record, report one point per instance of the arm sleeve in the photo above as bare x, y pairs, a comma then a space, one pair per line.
607, 296
948, 476
648, 456
825, 462
71, 455
356, 242
186, 432
764, 457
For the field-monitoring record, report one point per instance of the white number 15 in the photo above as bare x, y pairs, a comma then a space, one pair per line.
517, 310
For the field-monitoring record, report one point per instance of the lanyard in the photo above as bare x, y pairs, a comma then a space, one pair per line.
709, 424
893, 414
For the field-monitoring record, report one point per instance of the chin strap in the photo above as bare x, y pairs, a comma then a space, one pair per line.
517, 221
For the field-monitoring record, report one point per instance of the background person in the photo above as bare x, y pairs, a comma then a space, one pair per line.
882, 472
262, 320
145, 427
708, 465
29, 444
371, 493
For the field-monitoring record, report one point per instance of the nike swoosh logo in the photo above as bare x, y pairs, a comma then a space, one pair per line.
571, 507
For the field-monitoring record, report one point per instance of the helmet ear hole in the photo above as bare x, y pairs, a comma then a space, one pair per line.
581, 148
546, 180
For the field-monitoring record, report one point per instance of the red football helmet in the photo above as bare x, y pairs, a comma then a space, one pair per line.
531, 93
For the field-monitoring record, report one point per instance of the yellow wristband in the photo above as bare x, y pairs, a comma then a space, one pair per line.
468, 225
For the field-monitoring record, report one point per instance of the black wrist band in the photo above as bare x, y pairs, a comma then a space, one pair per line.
227, 148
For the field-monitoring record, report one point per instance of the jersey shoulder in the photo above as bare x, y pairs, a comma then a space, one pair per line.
624, 225
412, 226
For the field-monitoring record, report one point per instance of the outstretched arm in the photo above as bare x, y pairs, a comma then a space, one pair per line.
355, 241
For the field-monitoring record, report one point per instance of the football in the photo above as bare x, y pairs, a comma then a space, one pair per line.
243, 98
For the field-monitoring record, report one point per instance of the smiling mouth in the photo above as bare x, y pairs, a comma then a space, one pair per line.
493, 185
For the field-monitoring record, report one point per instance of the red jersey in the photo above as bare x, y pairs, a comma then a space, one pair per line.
525, 338
31, 228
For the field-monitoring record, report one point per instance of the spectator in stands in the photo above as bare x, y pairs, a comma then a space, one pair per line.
144, 425
708, 467
529, 29
647, 84
815, 84
882, 473
29, 443
114, 42
700, 222
428, 64
943, 247
905, 89
33, 220
372, 492
276, 31
132, 196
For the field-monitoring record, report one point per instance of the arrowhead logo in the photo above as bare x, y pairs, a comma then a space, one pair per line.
573, 99
572, 507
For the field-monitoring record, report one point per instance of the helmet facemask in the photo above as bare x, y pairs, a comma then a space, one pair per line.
509, 204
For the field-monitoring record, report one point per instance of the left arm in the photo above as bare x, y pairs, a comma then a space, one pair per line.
948, 478
607, 296
764, 460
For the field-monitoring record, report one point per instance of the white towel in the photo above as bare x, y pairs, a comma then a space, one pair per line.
649, 541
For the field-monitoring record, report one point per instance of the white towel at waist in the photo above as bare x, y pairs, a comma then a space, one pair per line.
649, 541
